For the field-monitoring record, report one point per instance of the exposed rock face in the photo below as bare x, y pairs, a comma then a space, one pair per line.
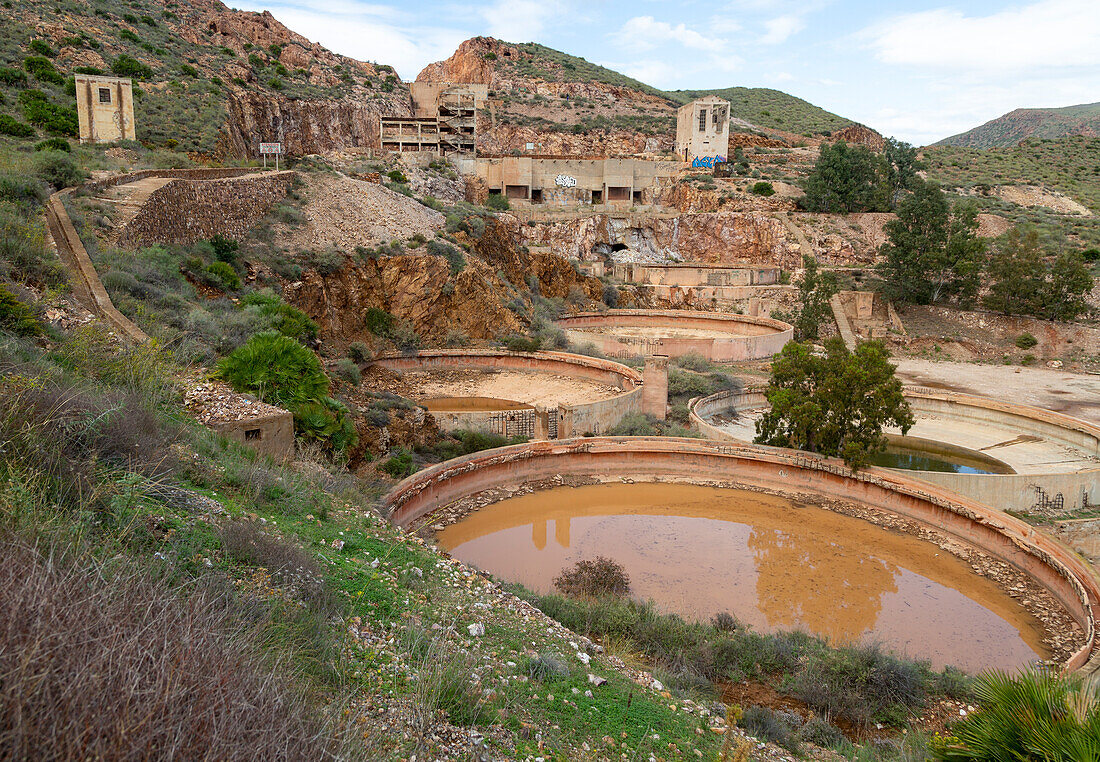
469, 63
417, 288
556, 276
857, 134
711, 238
752, 140
304, 127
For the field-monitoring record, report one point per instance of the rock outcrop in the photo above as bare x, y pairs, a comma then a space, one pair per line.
857, 134
725, 238
416, 288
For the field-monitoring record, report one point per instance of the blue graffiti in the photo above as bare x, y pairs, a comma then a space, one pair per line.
707, 162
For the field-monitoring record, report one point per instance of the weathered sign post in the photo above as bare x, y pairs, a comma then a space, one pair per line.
271, 148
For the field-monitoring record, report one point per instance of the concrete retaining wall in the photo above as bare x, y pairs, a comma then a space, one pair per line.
751, 338
186, 210
571, 420
686, 275
1062, 572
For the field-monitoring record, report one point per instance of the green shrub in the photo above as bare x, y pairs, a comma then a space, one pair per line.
94, 71
16, 317
400, 464
9, 125
42, 48
1026, 341
130, 36
327, 421
379, 322
397, 176
1039, 714
598, 578
49, 116
347, 371
763, 188
58, 169
1028, 359
276, 369
42, 68
275, 83
358, 352
225, 273
498, 202
777, 727
53, 144
188, 70
12, 77
225, 249
128, 66
282, 317
548, 668
454, 257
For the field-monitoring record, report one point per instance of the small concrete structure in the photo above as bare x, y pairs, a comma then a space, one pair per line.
674, 333
1059, 570
703, 129
690, 275
655, 386
564, 182
104, 109
539, 418
270, 432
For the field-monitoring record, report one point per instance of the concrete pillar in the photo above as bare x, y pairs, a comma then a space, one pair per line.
754, 306
542, 424
655, 386
865, 301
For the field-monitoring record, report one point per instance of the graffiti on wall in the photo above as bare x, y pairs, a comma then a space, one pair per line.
707, 162
565, 181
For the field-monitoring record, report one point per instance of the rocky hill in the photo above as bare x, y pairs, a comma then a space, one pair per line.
565, 104
209, 80
1049, 123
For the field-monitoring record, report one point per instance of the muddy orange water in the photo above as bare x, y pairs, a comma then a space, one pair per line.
773, 563
471, 404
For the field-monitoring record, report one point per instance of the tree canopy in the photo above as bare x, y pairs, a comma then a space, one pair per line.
837, 404
845, 179
1023, 282
815, 290
932, 250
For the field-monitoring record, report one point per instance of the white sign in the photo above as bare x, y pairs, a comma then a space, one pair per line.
530, 146
565, 181
271, 148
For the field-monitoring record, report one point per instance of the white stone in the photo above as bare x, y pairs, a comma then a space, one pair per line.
477, 629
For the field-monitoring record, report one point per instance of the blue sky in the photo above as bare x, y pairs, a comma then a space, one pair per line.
917, 70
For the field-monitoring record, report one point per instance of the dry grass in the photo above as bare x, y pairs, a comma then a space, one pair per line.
106, 662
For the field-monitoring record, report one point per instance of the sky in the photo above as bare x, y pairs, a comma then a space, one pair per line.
918, 71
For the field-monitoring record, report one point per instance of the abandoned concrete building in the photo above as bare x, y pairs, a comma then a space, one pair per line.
444, 119
105, 109
703, 130
560, 181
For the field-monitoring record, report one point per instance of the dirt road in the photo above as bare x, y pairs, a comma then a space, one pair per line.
1071, 393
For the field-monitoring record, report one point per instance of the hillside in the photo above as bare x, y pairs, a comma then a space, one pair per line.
772, 109
1036, 172
565, 104
208, 79
1047, 123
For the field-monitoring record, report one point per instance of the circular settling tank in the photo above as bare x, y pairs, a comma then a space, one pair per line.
715, 336
772, 562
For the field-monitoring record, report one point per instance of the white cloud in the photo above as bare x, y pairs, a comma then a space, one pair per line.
407, 48
778, 29
1048, 33
646, 33
520, 20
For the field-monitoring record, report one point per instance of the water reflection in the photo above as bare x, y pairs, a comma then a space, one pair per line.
773, 563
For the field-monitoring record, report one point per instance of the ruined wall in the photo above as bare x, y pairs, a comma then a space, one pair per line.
272, 435
185, 210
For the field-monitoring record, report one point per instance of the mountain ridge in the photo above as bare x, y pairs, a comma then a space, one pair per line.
1022, 123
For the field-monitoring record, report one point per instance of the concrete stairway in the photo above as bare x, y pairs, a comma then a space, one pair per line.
842, 323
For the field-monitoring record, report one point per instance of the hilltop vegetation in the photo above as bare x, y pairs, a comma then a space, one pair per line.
556, 66
1070, 165
1010, 129
185, 61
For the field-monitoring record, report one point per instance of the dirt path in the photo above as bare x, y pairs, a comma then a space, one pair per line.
1071, 393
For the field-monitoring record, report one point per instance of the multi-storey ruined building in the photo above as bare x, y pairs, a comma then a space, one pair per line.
444, 119
703, 130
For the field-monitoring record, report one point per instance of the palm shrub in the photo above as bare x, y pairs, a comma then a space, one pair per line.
278, 369
1036, 715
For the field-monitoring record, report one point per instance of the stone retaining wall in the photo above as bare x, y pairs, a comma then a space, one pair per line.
188, 209
1068, 577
